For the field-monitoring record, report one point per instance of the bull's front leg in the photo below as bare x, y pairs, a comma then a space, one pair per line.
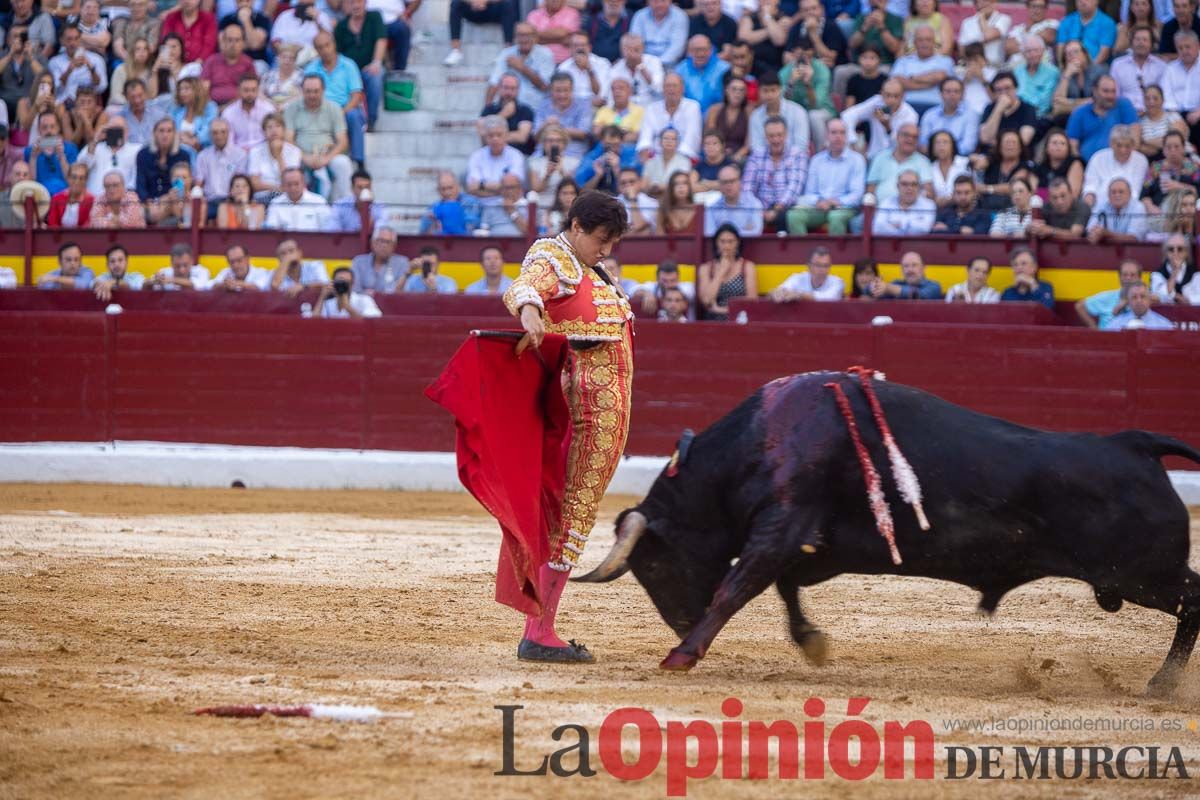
746, 580
810, 639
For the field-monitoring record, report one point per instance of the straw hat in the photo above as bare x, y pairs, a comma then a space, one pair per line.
40, 194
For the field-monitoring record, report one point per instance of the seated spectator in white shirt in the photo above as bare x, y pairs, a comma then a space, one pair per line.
909, 212
922, 72
339, 300
1118, 160
673, 111
299, 25
382, 270
490, 163
988, 27
509, 217
650, 295
117, 276
267, 160
184, 272
1177, 280
297, 209
771, 103
494, 281
816, 284
1118, 220
219, 162
740, 209
75, 66
240, 275
425, 277
885, 114
833, 187
675, 306
590, 72
641, 208
109, 150
975, 288
71, 273
1139, 315
294, 273
644, 72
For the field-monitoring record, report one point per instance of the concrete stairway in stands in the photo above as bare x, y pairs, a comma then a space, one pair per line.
408, 149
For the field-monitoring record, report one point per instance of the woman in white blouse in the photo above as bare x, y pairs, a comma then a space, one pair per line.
667, 161
947, 165
267, 161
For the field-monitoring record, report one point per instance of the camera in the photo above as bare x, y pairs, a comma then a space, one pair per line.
554, 152
341, 286
426, 267
113, 138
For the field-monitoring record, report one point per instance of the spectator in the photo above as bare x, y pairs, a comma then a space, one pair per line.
38, 100
913, 285
38, 25
612, 265
573, 115
908, 213
1036, 24
673, 111
734, 207
20, 65
80, 123
381, 270
299, 25
961, 122
1118, 220
139, 116
677, 209
606, 25
294, 273
988, 27
1118, 160
719, 28
345, 216
256, 29
977, 77
488, 165
550, 168
588, 71
1064, 217
641, 209
674, 306
1099, 309
361, 37
183, 273
1176, 281
532, 63
193, 113
155, 162
517, 115
1176, 170
428, 280
833, 187
480, 12
218, 163
922, 71
666, 277
644, 72
816, 284
704, 175
51, 156
71, 273
1185, 10
600, 166
222, 70
117, 274
666, 161
1095, 29
1138, 69
621, 111
1026, 285
975, 289
510, 215
775, 174
1006, 112
173, 208
730, 119
884, 115
10, 156
397, 20
1060, 162
1007, 161
807, 81
555, 21
887, 166
963, 215
946, 166
1013, 222
240, 275
246, 116
816, 36
138, 24
455, 214
108, 150
296, 208
196, 28
1037, 79
75, 66
239, 210
868, 81
865, 283
170, 66
494, 281
339, 300
281, 84
702, 73
1138, 313
267, 161
770, 92
878, 28
664, 29
1155, 123
1090, 124
552, 218
318, 127
72, 207
1181, 89
116, 206
727, 277
342, 85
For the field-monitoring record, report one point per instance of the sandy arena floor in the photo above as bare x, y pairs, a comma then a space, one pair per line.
123, 608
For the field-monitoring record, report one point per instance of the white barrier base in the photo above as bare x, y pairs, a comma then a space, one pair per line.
219, 466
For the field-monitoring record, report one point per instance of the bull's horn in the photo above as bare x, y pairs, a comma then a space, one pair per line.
616, 563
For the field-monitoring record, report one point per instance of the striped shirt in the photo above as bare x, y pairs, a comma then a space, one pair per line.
775, 182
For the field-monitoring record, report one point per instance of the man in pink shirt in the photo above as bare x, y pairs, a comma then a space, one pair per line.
197, 29
223, 70
245, 116
555, 22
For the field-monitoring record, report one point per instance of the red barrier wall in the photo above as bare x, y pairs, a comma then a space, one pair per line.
281, 380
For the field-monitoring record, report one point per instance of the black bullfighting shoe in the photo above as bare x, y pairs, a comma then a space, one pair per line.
573, 653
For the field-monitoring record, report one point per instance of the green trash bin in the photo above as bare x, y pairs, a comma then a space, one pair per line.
400, 91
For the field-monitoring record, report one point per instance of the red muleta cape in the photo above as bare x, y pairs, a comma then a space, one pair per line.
513, 429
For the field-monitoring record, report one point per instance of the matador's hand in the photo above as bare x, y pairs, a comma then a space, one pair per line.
535, 329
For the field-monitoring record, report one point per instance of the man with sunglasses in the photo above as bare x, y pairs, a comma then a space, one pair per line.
110, 150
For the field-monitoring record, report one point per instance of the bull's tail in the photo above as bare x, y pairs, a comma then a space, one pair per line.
1156, 444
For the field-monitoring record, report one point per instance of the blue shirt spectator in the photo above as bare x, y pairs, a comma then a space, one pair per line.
573, 113
841, 177
745, 213
1091, 123
1044, 294
344, 216
199, 124
341, 81
925, 290
417, 284
83, 279
702, 83
1096, 34
663, 27
962, 124
1151, 320
47, 169
481, 286
587, 165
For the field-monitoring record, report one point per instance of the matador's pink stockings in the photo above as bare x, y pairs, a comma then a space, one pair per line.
541, 629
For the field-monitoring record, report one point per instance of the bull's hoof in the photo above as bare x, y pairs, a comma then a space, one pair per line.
678, 661
1163, 684
815, 647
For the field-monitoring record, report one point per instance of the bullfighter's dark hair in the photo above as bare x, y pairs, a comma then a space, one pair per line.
598, 211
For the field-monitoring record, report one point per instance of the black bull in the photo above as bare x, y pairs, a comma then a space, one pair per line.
773, 493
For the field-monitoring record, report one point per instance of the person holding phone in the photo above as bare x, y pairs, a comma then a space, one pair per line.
52, 155
339, 300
